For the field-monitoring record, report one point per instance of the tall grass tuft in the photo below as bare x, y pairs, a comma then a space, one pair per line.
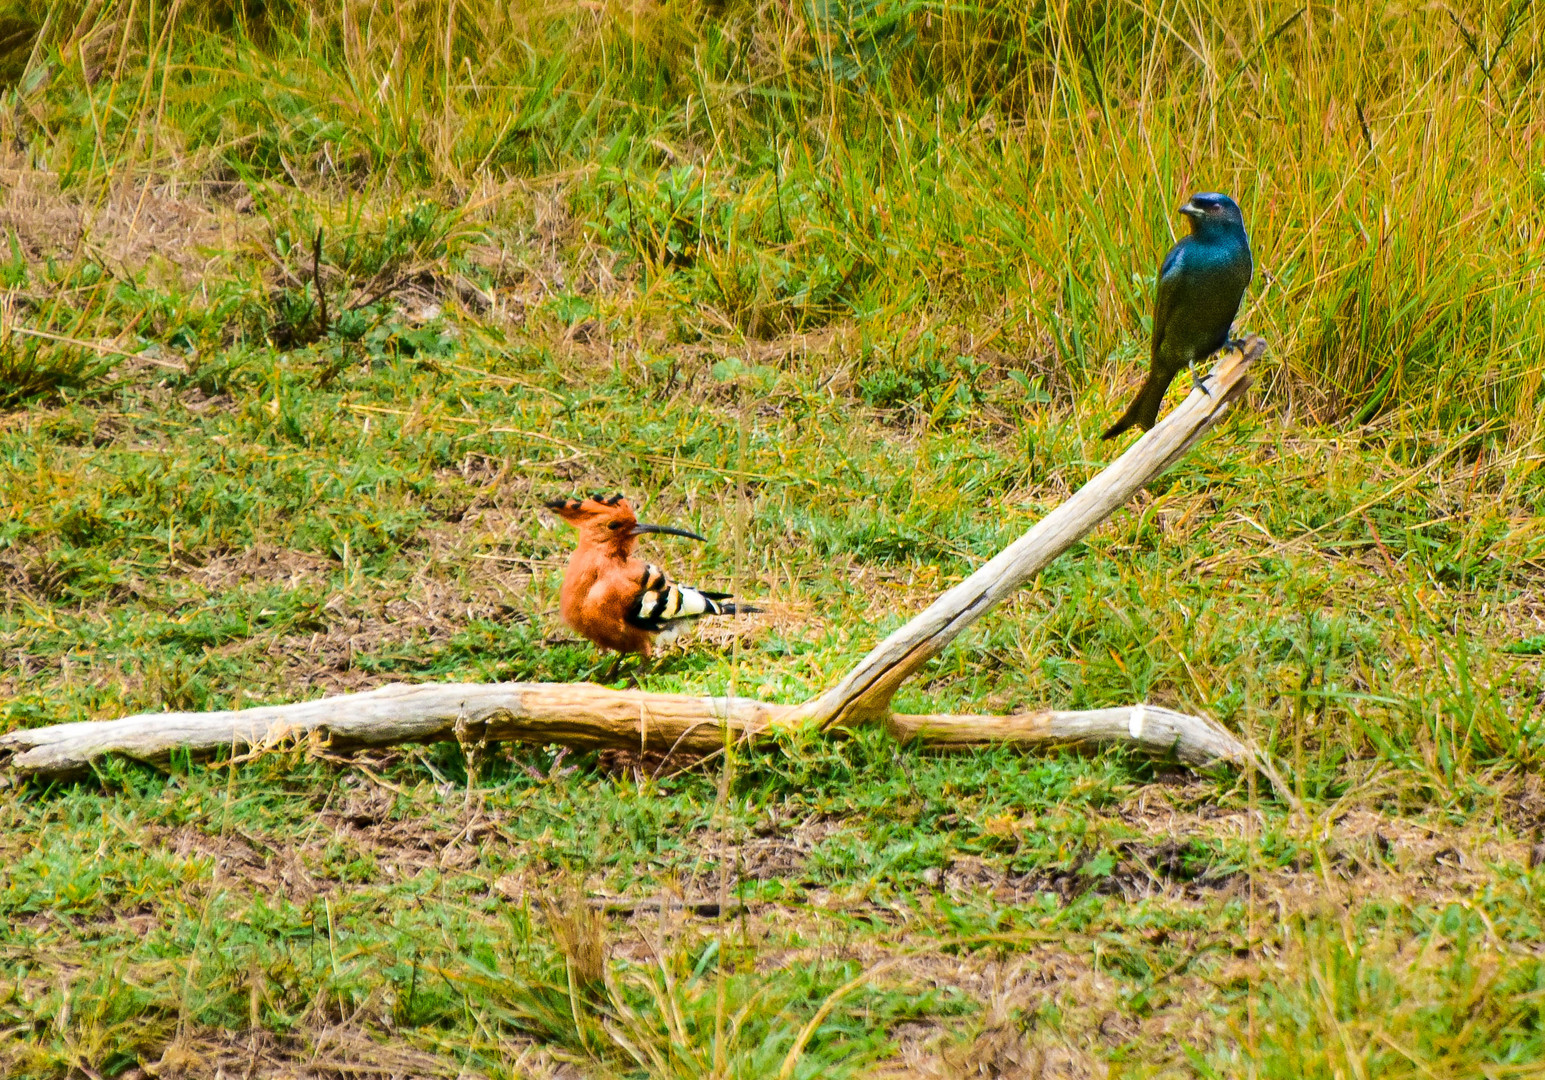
1012, 167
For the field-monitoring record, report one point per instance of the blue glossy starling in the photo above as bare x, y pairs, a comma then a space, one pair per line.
1200, 285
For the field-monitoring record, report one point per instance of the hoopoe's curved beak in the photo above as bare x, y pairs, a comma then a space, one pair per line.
639, 528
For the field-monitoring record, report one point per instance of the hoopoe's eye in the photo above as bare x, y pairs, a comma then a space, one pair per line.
615, 525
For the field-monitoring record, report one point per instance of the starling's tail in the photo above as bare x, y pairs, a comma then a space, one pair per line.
1144, 410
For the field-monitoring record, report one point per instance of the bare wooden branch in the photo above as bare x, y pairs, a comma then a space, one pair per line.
574, 714
590, 716
865, 692
1148, 729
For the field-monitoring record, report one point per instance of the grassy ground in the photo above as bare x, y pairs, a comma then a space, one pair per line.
851, 289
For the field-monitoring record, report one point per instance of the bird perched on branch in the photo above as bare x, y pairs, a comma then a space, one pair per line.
1201, 282
618, 601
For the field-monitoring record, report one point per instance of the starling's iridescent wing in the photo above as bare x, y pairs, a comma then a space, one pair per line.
1169, 289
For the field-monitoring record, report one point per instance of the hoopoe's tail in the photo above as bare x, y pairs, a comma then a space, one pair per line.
737, 609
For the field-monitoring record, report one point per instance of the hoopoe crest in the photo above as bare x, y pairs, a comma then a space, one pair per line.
614, 599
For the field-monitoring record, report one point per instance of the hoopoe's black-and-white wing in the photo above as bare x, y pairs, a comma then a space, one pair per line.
663, 604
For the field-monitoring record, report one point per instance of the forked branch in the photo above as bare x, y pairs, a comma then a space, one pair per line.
585, 715
866, 691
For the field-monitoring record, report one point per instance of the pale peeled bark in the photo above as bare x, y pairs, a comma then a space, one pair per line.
574, 714
589, 716
1192, 740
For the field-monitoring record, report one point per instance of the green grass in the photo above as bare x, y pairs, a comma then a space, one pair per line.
851, 289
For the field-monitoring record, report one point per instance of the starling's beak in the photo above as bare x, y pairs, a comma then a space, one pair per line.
639, 528
1191, 210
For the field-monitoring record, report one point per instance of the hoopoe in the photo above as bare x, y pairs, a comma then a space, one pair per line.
618, 601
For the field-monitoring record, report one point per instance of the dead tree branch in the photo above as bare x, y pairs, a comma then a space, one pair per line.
866, 691
588, 716
574, 714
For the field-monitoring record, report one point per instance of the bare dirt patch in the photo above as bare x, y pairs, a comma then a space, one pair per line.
337, 1052
361, 824
265, 564
137, 224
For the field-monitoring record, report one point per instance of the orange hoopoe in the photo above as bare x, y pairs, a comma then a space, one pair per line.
617, 601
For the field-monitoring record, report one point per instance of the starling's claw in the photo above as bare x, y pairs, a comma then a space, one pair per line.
1199, 382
